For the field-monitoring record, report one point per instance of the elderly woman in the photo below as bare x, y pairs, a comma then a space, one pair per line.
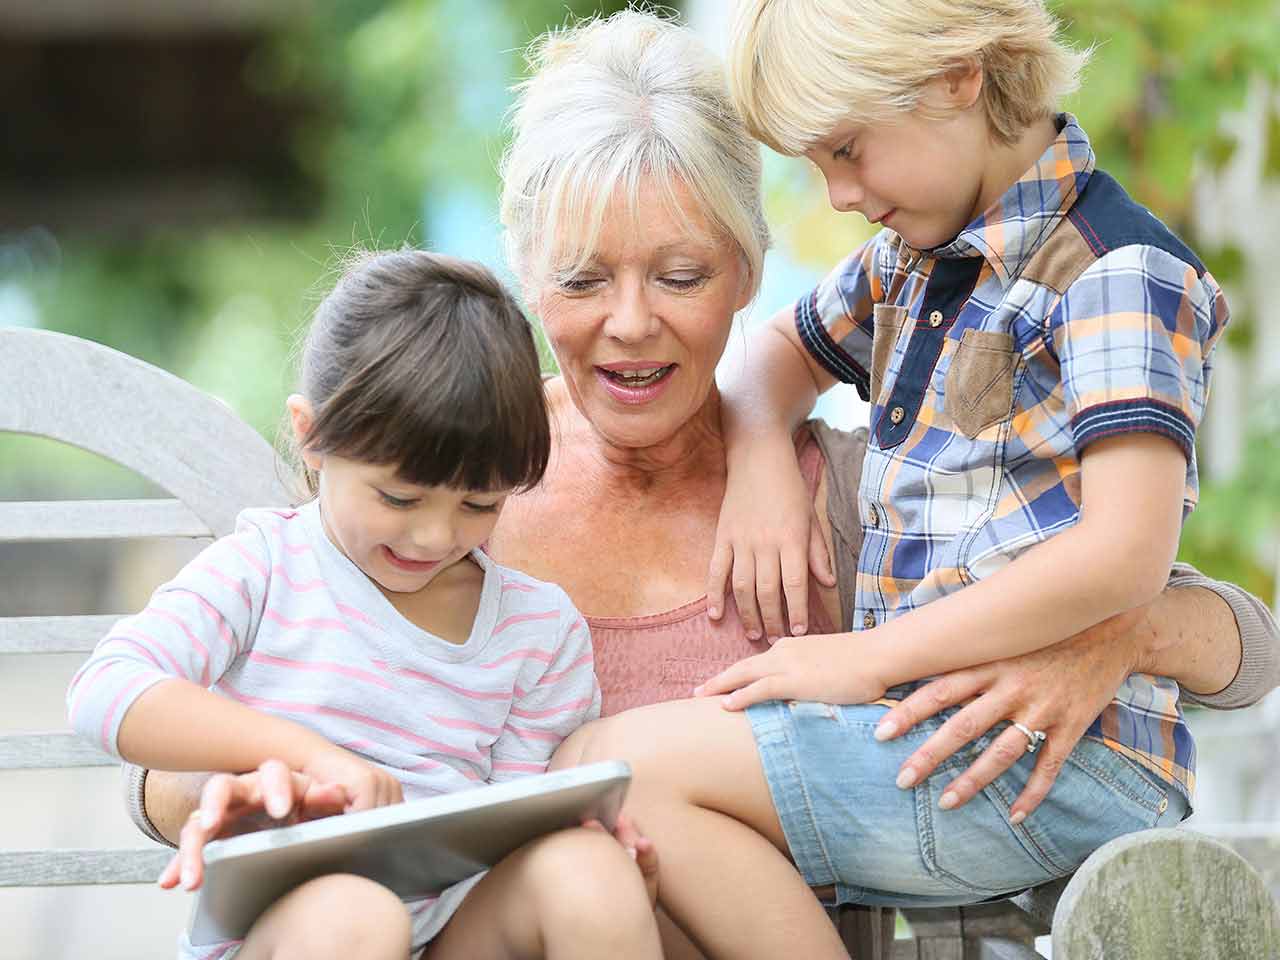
633, 212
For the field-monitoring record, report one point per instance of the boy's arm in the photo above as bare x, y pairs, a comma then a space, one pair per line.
1117, 557
804, 350
549, 703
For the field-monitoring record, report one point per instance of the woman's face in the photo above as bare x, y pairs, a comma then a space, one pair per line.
639, 329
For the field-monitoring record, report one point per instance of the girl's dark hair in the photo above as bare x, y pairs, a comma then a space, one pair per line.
425, 361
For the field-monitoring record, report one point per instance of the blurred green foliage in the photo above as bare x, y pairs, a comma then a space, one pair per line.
1163, 76
410, 97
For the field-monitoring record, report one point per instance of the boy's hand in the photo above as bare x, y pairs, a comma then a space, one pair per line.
767, 541
270, 796
641, 849
826, 668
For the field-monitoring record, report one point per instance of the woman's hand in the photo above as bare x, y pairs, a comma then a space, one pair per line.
828, 668
1059, 689
270, 796
639, 847
767, 541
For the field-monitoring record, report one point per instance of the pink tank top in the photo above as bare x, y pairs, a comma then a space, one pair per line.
663, 656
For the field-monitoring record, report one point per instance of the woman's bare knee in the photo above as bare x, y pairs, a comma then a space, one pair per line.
335, 916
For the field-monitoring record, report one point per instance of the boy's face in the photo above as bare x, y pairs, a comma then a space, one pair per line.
920, 176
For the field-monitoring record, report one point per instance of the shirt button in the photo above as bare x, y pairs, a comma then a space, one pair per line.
868, 620
896, 415
1163, 805
935, 318
873, 516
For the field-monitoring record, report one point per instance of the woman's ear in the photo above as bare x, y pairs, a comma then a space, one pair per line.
301, 419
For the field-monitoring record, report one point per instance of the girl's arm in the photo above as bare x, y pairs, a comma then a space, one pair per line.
550, 702
143, 693
1118, 556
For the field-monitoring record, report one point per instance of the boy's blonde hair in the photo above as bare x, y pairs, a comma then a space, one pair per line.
610, 106
799, 68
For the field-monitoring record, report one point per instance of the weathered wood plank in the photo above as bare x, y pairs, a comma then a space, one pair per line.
53, 634
867, 932
1255, 842
32, 522
57, 868
1162, 894
180, 438
1003, 920
34, 751
995, 948
1040, 902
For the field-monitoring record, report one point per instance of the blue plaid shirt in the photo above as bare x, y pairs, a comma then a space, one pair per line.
1065, 313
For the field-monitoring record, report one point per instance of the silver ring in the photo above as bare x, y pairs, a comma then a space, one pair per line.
1034, 737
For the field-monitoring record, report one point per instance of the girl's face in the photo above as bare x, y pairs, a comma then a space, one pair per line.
638, 331
400, 535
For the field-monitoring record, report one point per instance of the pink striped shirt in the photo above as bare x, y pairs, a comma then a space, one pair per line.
274, 616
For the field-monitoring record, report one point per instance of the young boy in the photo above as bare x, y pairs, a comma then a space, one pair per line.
1035, 345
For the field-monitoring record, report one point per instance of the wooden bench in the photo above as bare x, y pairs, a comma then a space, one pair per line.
1165, 894
183, 441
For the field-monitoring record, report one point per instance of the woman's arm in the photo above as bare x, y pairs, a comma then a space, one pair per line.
1245, 642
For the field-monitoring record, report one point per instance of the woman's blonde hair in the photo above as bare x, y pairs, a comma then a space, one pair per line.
612, 106
799, 68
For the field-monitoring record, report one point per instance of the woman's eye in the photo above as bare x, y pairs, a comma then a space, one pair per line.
579, 284
684, 281
396, 502
482, 507
845, 152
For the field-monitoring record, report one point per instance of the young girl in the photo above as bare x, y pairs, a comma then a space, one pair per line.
365, 640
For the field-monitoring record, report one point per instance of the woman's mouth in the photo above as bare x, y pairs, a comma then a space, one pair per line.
639, 384
404, 563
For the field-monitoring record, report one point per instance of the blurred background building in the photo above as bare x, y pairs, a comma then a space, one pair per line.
179, 179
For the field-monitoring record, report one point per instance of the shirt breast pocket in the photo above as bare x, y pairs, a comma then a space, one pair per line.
979, 381
888, 320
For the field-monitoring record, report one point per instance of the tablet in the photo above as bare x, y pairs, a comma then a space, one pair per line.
415, 849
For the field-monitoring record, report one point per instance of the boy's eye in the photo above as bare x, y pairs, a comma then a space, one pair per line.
845, 152
396, 502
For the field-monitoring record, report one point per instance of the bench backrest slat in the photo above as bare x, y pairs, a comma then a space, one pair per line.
57, 868
53, 634
190, 445
50, 751
97, 520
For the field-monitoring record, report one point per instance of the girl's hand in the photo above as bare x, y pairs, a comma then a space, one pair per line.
767, 541
1059, 689
641, 849
827, 668
366, 784
271, 796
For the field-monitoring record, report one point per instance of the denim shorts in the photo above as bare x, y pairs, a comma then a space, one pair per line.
848, 825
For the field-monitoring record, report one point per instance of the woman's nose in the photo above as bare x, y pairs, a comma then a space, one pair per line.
631, 317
